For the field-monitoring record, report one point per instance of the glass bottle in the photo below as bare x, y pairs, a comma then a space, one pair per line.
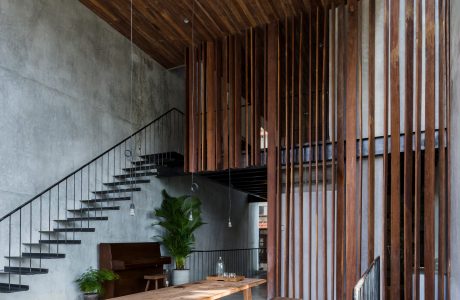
220, 267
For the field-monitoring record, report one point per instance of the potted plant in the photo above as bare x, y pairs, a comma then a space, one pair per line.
179, 217
91, 281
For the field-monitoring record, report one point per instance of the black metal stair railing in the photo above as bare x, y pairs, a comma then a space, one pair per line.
55, 216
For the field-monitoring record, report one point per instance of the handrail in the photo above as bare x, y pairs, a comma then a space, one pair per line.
87, 164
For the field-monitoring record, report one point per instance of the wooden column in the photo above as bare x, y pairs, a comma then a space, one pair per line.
211, 105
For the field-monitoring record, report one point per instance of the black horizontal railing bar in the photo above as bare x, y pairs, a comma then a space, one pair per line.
88, 163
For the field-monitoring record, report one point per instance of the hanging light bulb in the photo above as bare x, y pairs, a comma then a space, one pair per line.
190, 216
194, 187
229, 222
132, 210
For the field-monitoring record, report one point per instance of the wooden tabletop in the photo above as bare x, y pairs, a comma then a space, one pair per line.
201, 290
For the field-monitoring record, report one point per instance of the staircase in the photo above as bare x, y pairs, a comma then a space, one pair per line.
32, 233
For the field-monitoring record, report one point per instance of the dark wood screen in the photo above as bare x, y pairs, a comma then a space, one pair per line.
356, 143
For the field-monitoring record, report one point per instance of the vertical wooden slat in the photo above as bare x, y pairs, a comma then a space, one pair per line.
429, 195
317, 61
231, 102
252, 79
272, 166
224, 103
210, 108
279, 174
310, 147
264, 119
408, 161
333, 143
237, 101
257, 96
288, 165
385, 146
300, 171
351, 94
292, 167
360, 137
442, 156
247, 93
188, 113
340, 155
200, 107
323, 150
395, 154
218, 95
418, 155
371, 134
448, 138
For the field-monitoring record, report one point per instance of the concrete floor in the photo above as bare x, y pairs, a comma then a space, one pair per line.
258, 293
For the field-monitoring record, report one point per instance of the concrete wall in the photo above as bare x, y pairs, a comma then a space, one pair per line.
65, 98
455, 155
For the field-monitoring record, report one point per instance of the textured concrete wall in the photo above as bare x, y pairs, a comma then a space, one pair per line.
454, 146
65, 98
64, 84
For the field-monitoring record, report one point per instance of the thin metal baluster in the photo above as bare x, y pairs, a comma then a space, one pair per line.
59, 223
88, 178
95, 185
9, 251
30, 233
102, 184
81, 196
74, 199
49, 217
66, 216
20, 243
40, 235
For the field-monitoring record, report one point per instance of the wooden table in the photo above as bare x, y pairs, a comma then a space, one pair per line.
201, 290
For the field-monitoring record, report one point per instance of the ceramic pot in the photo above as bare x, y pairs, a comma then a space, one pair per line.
180, 277
90, 296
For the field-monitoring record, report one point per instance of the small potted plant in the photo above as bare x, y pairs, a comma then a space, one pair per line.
179, 217
91, 281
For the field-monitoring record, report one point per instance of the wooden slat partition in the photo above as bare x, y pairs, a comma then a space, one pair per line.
302, 80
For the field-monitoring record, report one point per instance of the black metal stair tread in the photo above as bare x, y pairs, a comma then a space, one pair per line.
12, 288
131, 175
38, 255
25, 270
117, 191
87, 209
83, 219
42, 255
127, 182
69, 229
63, 241
153, 167
106, 199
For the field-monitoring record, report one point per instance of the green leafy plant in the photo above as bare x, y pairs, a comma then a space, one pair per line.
174, 217
91, 281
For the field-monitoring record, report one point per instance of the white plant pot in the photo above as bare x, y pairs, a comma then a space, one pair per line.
180, 277
90, 296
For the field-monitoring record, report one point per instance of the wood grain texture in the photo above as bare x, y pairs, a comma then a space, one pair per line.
429, 183
340, 244
310, 142
417, 154
278, 151
272, 165
408, 153
237, 102
371, 134
160, 31
395, 258
300, 165
211, 105
231, 102
351, 96
317, 139
224, 103
204, 290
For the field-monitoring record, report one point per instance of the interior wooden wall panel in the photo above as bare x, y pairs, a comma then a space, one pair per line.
371, 134
279, 175
324, 120
237, 102
340, 239
300, 118
274, 209
224, 103
333, 139
292, 215
351, 196
188, 111
359, 109
408, 153
210, 108
442, 155
253, 115
429, 184
218, 101
247, 93
385, 255
418, 153
231, 102
395, 258
258, 94
200, 126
